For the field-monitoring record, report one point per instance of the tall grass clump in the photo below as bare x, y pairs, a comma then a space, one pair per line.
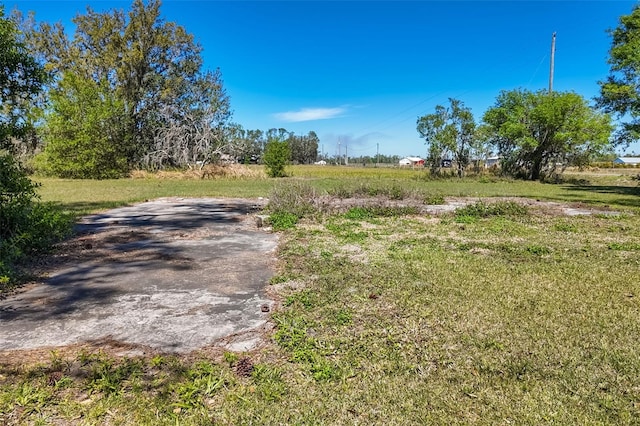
290, 201
393, 191
481, 209
210, 171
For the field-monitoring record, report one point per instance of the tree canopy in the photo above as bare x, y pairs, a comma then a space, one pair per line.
21, 79
25, 225
620, 92
137, 75
448, 131
85, 131
535, 133
304, 148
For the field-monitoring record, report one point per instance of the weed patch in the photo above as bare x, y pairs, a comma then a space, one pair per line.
626, 246
395, 191
294, 197
283, 220
203, 380
108, 377
564, 226
481, 209
538, 250
269, 383
370, 212
289, 202
433, 199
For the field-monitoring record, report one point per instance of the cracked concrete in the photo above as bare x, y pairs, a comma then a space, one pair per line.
174, 275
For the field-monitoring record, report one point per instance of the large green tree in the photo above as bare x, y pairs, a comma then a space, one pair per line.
25, 225
620, 92
86, 130
152, 67
21, 79
448, 131
536, 134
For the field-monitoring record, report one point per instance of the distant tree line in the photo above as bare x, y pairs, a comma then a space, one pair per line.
248, 146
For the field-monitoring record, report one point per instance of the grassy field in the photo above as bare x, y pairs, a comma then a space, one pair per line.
486, 316
616, 189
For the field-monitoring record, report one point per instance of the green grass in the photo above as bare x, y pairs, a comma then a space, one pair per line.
85, 196
509, 317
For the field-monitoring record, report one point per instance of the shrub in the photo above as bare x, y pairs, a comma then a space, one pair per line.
16, 194
26, 226
276, 155
283, 220
295, 197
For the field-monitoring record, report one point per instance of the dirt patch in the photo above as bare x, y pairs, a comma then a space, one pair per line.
342, 205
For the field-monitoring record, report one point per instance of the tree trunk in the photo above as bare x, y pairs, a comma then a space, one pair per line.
536, 168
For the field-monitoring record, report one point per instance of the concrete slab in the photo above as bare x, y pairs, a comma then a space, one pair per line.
172, 274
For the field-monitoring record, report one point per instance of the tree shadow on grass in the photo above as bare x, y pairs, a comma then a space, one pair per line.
630, 195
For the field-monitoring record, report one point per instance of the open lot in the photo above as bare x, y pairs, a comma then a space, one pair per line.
488, 315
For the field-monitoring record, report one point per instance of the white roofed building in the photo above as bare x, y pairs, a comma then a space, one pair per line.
629, 161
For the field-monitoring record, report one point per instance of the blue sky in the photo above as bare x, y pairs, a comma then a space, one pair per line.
359, 73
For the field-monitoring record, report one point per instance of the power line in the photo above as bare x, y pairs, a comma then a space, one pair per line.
403, 111
375, 127
362, 149
544, 57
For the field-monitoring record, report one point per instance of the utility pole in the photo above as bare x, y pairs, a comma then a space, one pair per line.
346, 155
377, 154
553, 56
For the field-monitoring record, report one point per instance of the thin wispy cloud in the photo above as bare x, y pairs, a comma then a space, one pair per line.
310, 114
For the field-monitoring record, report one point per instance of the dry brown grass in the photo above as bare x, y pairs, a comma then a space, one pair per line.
210, 171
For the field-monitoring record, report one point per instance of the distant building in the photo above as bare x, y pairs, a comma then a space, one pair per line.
628, 161
411, 161
321, 163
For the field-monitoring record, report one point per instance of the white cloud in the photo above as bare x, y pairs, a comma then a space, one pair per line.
310, 114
